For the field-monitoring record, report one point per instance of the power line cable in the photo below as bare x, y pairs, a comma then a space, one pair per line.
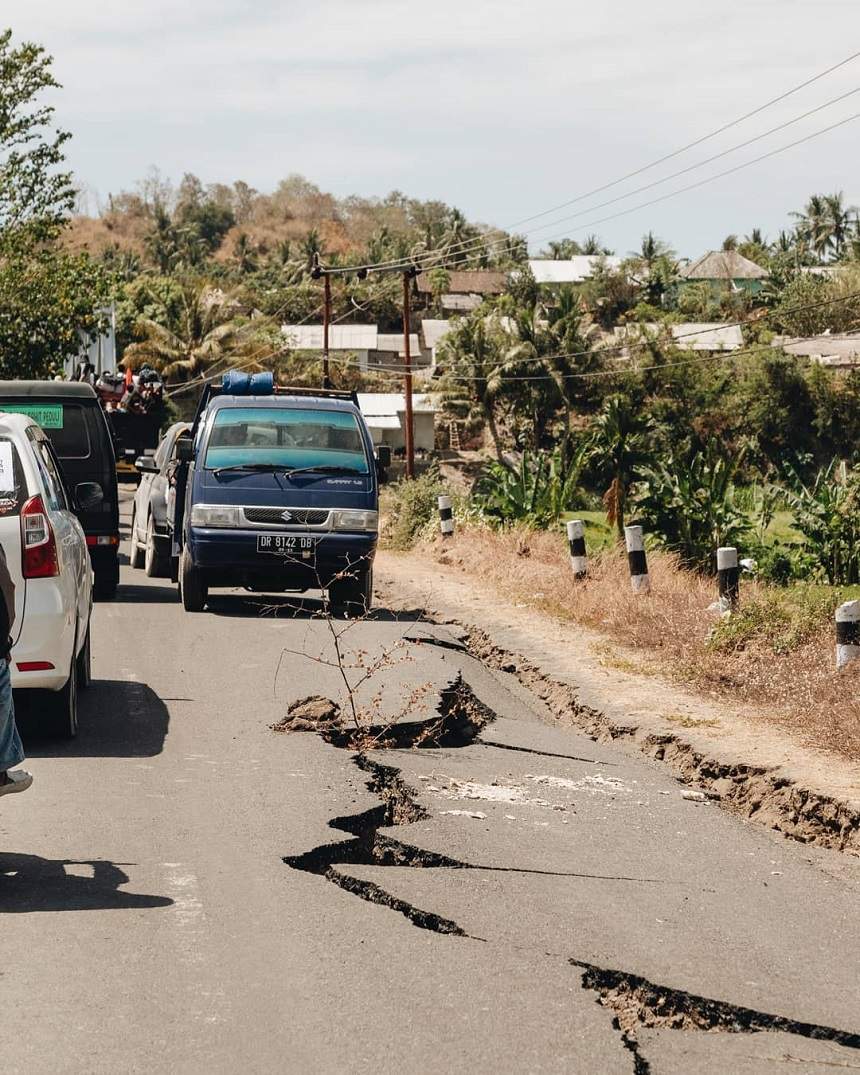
637, 171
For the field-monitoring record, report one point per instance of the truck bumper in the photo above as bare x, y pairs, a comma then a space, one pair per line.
231, 558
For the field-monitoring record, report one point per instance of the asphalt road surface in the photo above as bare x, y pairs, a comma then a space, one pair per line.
186, 890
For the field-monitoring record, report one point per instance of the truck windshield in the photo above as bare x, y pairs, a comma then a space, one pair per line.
285, 437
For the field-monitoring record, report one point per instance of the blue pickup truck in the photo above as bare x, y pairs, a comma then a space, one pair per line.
277, 490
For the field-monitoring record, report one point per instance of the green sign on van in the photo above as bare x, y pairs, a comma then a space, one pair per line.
48, 415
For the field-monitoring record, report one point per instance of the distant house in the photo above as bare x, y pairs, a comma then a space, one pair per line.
837, 351
434, 331
570, 270
691, 336
391, 352
357, 341
724, 269
385, 414
466, 290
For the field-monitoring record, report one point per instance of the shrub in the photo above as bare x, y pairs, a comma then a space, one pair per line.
827, 513
413, 504
780, 620
538, 492
690, 505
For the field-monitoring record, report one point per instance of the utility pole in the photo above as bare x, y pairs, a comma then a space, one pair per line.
407, 377
326, 321
318, 271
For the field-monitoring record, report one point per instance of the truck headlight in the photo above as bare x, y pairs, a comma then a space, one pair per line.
355, 520
214, 515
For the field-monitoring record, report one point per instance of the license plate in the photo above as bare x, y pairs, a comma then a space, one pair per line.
286, 545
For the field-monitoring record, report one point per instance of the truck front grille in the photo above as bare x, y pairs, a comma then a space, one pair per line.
287, 516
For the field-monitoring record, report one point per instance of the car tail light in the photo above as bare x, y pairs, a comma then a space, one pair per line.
34, 666
38, 545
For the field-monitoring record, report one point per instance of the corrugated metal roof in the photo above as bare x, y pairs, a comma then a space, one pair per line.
393, 341
390, 404
835, 347
465, 303
341, 337
571, 270
475, 282
723, 265
691, 336
434, 330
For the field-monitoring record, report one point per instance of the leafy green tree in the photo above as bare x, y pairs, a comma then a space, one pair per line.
36, 195
48, 301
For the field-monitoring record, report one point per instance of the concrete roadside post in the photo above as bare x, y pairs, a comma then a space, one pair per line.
639, 580
446, 516
576, 544
728, 578
847, 633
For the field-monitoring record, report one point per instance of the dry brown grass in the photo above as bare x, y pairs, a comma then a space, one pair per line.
786, 674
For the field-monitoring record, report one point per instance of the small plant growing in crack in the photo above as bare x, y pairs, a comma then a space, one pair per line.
367, 726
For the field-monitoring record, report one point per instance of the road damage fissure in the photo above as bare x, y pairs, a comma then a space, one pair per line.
637, 1002
755, 793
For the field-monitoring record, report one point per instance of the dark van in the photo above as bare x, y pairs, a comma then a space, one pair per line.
72, 417
279, 491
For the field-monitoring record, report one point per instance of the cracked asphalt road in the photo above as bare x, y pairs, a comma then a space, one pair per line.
170, 894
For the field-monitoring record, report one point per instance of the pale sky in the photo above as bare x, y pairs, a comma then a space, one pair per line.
504, 109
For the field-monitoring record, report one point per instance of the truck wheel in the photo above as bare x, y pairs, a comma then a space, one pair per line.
352, 596
135, 551
106, 580
155, 558
62, 706
194, 589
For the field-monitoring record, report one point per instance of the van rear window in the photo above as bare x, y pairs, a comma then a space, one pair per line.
65, 424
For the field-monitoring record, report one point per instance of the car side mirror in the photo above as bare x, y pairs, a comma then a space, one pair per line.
185, 450
383, 456
146, 464
88, 495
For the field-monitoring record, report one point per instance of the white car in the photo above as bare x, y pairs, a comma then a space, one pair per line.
46, 552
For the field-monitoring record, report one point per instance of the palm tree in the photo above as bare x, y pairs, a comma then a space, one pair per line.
562, 249
651, 250
471, 354
730, 243
815, 226
204, 332
620, 432
839, 216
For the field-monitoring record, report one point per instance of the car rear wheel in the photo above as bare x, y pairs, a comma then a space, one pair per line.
135, 553
85, 675
194, 589
62, 706
352, 596
155, 558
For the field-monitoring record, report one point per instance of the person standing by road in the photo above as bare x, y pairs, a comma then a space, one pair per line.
11, 748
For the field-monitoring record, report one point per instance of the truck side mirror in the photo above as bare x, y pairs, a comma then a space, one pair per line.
383, 456
184, 450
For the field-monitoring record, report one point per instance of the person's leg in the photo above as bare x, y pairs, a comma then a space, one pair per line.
11, 748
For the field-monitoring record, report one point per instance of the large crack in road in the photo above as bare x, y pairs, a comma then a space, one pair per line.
634, 1001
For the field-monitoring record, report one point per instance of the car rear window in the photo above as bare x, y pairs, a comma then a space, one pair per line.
13, 485
65, 423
